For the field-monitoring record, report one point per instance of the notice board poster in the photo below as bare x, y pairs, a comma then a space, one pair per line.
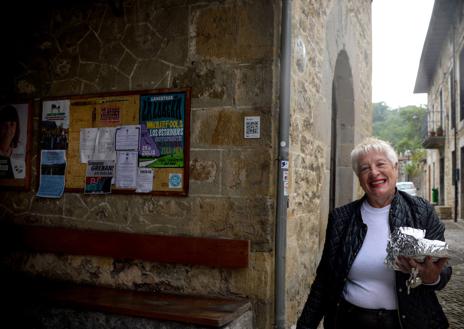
95, 112
157, 123
15, 145
163, 118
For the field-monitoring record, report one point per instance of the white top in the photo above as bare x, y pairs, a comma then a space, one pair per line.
370, 283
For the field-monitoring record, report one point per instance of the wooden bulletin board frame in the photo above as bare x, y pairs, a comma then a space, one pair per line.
165, 113
15, 165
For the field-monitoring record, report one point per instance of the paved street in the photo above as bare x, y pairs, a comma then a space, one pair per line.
452, 297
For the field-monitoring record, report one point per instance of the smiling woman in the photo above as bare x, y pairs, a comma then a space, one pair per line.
376, 167
9, 129
9, 138
353, 287
15, 138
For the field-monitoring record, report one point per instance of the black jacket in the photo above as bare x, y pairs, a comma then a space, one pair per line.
344, 238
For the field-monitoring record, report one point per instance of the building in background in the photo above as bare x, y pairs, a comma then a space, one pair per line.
441, 76
229, 53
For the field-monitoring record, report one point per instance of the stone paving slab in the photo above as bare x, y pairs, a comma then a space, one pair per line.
452, 296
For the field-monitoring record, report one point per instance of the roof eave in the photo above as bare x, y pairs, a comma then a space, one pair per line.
440, 23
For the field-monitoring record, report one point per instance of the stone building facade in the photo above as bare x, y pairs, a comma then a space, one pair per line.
228, 52
441, 76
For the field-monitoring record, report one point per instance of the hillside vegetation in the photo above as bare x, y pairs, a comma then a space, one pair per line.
403, 128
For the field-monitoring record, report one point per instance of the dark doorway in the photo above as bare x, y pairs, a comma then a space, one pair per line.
342, 133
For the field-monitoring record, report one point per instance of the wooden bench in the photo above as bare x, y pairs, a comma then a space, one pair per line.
197, 310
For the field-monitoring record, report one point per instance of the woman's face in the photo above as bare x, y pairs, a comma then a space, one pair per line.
7, 131
377, 176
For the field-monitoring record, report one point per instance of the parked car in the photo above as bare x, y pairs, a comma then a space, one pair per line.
407, 187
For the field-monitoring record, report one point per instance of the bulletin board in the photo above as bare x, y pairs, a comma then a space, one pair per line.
105, 135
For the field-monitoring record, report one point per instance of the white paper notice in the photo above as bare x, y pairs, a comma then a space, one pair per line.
144, 180
127, 138
105, 144
18, 164
87, 141
126, 169
57, 111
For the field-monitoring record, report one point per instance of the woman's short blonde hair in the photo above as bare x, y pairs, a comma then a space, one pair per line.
372, 144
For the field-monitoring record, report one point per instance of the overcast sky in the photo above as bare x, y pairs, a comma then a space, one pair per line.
399, 28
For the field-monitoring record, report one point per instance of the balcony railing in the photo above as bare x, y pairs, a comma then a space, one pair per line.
433, 134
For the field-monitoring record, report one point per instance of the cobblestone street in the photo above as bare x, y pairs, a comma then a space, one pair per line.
452, 297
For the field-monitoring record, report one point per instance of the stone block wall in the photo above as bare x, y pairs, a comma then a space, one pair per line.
228, 52
441, 84
225, 51
323, 32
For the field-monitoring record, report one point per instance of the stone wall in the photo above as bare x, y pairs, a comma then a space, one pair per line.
323, 32
436, 104
440, 83
225, 51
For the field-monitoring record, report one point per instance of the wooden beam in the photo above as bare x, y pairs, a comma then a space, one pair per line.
215, 312
223, 253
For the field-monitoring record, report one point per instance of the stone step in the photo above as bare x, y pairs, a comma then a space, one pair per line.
444, 212
49, 317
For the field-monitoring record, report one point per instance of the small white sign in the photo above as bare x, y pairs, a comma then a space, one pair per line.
285, 180
252, 127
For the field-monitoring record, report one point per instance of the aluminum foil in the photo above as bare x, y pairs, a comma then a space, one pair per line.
410, 242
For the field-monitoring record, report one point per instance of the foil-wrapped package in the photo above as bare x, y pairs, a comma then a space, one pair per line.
411, 242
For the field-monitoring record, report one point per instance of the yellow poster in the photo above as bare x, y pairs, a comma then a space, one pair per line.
95, 112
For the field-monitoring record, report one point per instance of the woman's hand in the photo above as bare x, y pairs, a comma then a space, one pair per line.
429, 271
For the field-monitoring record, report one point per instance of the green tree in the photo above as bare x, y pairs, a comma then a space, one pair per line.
413, 167
380, 112
403, 128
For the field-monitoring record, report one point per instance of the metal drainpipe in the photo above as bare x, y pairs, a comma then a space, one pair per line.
455, 173
282, 195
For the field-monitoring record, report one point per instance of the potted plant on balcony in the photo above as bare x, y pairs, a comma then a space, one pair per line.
440, 131
432, 133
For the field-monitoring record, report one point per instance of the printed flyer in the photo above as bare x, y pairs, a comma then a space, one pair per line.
162, 141
98, 177
52, 169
